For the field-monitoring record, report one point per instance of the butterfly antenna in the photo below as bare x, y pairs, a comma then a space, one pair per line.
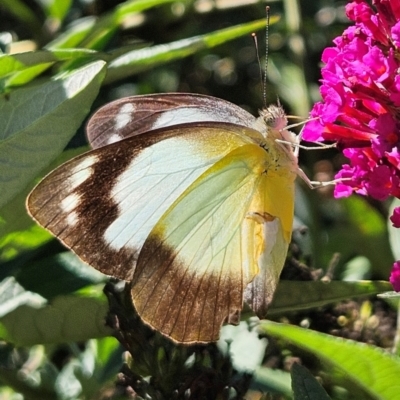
263, 76
266, 56
254, 36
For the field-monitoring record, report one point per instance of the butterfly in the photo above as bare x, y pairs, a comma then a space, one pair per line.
187, 197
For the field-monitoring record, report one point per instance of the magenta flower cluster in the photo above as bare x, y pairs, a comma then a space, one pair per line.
360, 109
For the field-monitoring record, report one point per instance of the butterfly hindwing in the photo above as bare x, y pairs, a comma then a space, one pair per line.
132, 116
190, 275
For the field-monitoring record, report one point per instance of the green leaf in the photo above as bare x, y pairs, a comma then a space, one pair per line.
127, 8
65, 319
14, 219
56, 9
364, 216
305, 386
23, 77
371, 368
13, 295
73, 35
37, 123
13, 63
312, 294
272, 380
64, 273
14, 243
137, 61
390, 295
359, 230
10, 63
19, 69
109, 357
109, 23
19, 234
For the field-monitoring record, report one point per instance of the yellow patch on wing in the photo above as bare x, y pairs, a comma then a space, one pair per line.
267, 228
189, 277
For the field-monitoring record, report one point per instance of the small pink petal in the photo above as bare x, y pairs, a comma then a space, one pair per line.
395, 276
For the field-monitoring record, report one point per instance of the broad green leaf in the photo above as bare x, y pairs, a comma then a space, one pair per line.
311, 294
137, 61
37, 122
371, 368
10, 63
14, 243
19, 234
64, 273
19, 69
23, 77
13, 295
305, 386
65, 319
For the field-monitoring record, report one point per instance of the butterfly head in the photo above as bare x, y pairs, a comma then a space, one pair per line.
274, 117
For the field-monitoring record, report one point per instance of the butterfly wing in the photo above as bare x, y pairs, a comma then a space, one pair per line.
197, 261
138, 114
104, 203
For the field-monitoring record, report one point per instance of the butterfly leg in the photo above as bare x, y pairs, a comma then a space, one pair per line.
318, 184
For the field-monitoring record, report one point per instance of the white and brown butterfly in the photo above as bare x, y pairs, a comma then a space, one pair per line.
187, 197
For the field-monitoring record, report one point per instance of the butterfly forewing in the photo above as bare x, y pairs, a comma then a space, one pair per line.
135, 115
104, 203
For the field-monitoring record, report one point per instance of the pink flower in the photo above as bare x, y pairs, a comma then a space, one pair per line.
360, 90
395, 218
395, 276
